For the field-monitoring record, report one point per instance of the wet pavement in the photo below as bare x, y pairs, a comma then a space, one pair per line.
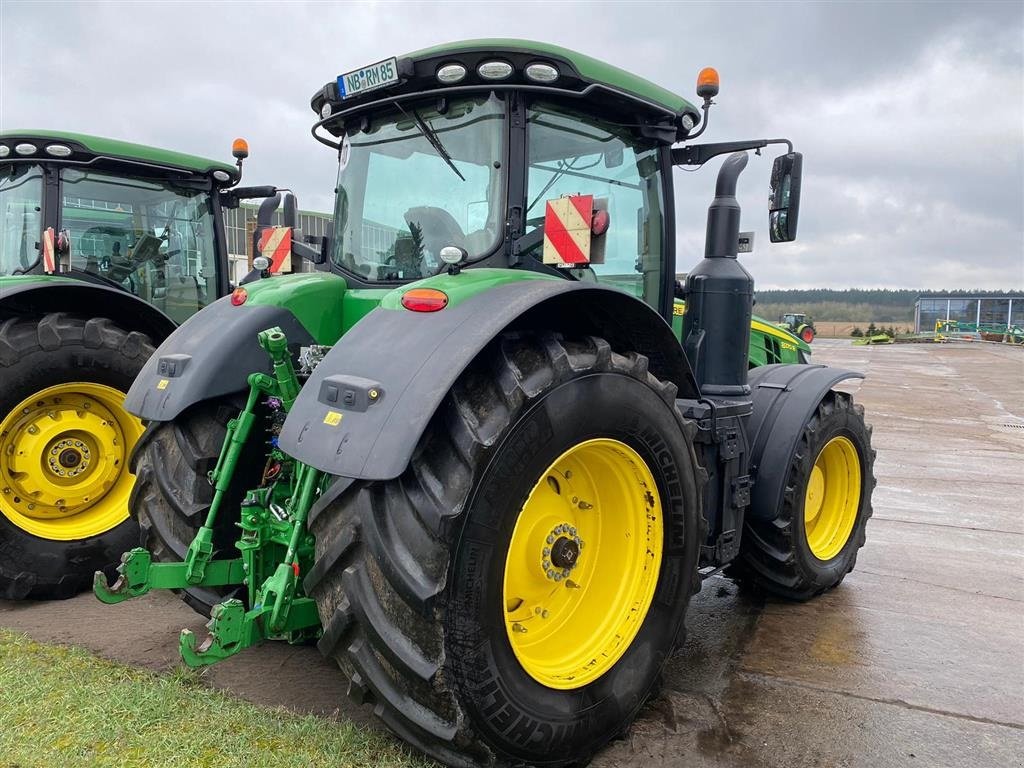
917, 659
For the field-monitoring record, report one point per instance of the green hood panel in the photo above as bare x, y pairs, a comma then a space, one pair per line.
10, 282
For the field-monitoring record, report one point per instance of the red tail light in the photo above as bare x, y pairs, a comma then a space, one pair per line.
238, 296
424, 300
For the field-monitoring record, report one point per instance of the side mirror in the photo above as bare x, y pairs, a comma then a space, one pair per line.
289, 214
784, 201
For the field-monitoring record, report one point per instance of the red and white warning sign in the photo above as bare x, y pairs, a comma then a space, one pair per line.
567, 229
276, 245
49, 258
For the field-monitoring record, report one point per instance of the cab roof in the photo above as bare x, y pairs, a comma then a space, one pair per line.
580, 76
85, 148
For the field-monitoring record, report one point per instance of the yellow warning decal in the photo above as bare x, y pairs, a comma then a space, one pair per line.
332, 419
678, 309
162, 384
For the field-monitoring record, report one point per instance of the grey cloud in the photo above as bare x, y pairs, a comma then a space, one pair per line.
909, 114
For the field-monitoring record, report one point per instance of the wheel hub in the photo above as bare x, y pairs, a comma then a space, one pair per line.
561, 552
565, 553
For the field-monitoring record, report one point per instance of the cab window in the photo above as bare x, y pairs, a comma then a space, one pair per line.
21, 195
149, 237
574, 154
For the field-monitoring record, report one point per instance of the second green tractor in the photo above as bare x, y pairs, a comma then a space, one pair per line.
480, 457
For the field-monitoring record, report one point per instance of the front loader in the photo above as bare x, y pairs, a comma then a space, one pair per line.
482, 459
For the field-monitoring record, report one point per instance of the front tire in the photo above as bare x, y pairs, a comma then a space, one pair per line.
65, 439
813, 543
428, 583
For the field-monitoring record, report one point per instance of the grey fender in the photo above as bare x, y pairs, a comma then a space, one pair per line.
210, 355
784, 397
28, 296
365, 407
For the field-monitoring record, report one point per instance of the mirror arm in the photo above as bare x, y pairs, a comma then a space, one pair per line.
230, 198
698, 154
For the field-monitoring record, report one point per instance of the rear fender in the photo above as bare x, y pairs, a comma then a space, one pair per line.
784, 397
365, 407
210, 355
214, 351
39, 295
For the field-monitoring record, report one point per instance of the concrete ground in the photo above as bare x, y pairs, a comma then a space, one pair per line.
917, 659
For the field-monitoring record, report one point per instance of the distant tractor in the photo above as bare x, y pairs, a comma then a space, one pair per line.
105, 247
799, 325
481, 460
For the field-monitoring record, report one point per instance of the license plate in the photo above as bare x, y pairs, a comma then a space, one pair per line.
378, 75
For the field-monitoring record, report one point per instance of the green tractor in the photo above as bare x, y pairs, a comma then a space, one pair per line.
801, 326
481, 461
105, 248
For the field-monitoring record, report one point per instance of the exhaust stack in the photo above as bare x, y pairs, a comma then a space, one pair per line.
720, 296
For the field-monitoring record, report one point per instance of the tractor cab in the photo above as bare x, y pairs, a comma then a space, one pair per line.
108, 213
518, 155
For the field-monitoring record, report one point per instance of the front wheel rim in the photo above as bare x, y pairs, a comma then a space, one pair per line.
64, 474
832, 498
583, 563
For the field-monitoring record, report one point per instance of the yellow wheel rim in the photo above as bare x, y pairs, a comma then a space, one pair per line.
583, 564
64, 461
832, 498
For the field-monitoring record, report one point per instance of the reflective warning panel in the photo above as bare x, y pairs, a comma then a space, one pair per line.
567, 231
276, 244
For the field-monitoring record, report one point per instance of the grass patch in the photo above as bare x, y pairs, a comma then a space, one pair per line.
64, 707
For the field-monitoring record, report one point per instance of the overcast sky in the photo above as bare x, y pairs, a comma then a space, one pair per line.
910, 115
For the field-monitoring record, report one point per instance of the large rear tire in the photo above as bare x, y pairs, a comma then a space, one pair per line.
172, 494
511, 598
65, 439
813, 543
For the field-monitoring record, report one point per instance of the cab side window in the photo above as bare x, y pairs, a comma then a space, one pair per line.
21, 195
574, 154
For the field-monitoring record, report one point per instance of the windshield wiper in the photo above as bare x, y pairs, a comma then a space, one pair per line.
431, 136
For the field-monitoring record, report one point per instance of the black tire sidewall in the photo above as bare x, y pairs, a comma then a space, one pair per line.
841, 422
518, 715
62, 568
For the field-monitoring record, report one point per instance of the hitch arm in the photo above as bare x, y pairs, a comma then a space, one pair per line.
138, 574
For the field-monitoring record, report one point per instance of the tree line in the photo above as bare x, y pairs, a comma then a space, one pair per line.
856, 304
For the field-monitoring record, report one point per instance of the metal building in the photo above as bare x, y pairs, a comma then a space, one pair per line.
993, 309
